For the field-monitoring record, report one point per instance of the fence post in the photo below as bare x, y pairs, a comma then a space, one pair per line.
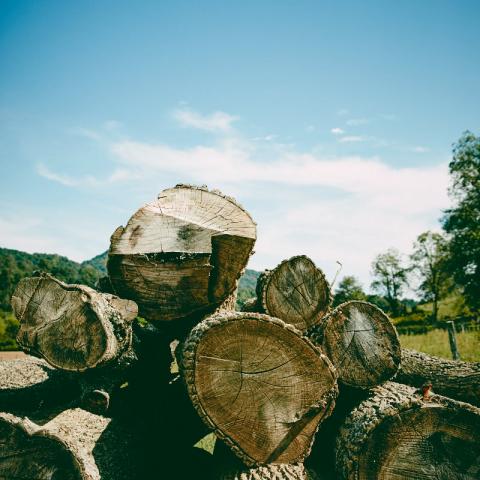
453, 340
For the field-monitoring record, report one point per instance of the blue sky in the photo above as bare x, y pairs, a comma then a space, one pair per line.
332, 122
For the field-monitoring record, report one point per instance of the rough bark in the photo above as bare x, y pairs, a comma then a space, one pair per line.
456, 379
73, 327
182, 254
296, 291
75, 445
361, 342
259, 384
271, 472
30, 385
396, 434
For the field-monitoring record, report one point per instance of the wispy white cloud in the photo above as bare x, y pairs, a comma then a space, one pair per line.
234, 162
112, 125
354, 122
337, 131
346, 208
118, 175
310, 128
388, 116
86, 132
352, 138
419, 149
342, 112
215, 122
65, 180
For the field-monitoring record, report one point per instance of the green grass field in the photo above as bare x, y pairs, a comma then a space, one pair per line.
436, 343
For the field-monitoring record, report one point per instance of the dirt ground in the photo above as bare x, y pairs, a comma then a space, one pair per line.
11, 355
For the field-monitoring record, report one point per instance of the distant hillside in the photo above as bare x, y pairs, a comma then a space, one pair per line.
99, 262
15, 265
246, 286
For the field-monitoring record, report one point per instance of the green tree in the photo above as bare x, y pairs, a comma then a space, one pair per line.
462, 222
389, 278
348, 289
429, 259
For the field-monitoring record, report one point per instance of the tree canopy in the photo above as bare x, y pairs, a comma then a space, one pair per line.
462, 221
390, 277
348, 289
429, 258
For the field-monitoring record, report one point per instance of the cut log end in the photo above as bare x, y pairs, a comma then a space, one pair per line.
261, 385
73, 327
361, 342
396, 434
181, 254
295, 291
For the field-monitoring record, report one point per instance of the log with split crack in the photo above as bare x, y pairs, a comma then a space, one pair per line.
259, 384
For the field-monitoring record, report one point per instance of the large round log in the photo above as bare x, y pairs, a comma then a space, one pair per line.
397, 434
30, 385
73, 327
259, 384
453, 378
75, 445
361, 342
296, 291
182, 254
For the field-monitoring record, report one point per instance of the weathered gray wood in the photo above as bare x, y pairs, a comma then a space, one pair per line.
259, 384
452, 338
73, 327
75, 445
182, 254
30, 385
296, 291
456, 379
271, 472
361, 342
395, 434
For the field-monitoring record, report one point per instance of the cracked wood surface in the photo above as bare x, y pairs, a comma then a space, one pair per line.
181, 254
73, 327
361, 342
396, 435
261, 385
453, 378
75, 445
296, 291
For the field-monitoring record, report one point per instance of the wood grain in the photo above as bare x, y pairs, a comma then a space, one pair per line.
296, 291
261, 385
181, 254
395, 435
72, 327
361, 342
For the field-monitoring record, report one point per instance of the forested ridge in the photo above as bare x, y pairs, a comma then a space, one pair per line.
15, 265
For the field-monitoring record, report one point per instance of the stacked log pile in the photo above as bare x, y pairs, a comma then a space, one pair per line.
126, 379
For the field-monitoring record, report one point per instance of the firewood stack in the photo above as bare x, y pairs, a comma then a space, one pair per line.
291, 388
